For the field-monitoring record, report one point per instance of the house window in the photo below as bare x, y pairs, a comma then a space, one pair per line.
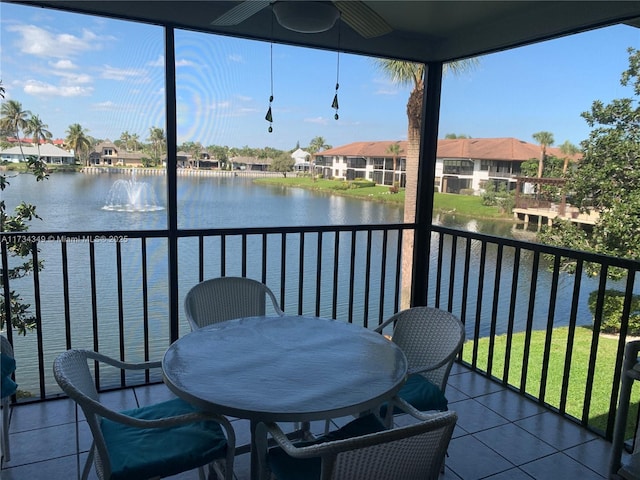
458, 167
484, 165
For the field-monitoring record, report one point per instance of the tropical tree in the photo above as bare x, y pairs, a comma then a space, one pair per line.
568, 149
607, 179
544, 139
125, 139
157, 139
14, 119
38, 131
395, 149
413, 75
21, 318
282, 163
316, 145
454, 136
78, 141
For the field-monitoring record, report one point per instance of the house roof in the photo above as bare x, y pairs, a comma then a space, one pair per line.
300, 155
422, 31
510, 149
46, 150
365, 149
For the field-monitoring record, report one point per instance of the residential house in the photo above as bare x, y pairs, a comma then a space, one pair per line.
251, 163
301, 159
48, 153
108, 153
461, 164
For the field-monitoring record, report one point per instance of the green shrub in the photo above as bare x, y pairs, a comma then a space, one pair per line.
341, 186
612, 311
362, 183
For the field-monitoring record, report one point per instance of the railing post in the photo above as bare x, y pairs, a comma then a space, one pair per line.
425, 185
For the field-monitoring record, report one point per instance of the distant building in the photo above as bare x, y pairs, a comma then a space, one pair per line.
301, 160
251, 163
108, 153
465, 163
48, 153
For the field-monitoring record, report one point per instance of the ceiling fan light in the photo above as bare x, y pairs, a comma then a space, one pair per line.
306, 17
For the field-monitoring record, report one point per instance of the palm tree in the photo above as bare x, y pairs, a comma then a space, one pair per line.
569, 150
156, 137
14, 119
125, 138
317, 144
395, 150
78, 141
413, 74
545, 139
38, 130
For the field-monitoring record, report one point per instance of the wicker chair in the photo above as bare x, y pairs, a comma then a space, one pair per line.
148, 442
224, 298
364, 449
8, 388
431, 339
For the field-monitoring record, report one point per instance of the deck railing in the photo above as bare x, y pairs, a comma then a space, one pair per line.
110, 291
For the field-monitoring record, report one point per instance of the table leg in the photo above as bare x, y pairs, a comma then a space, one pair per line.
258, 450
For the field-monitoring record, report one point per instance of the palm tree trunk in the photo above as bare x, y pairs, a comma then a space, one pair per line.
414, 132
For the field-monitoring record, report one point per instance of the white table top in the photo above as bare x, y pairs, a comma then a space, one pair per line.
290, 368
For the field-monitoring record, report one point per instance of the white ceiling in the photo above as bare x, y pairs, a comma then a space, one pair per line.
421, 30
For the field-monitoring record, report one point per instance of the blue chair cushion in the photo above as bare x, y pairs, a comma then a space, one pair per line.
421, 394
137, 453
7, 367
285, 467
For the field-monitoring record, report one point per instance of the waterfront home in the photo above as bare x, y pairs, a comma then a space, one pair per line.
461, 163
108, 153
47, 152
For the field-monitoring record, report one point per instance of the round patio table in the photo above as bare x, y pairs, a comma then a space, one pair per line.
284, 369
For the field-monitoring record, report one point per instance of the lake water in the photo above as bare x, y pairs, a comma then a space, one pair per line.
76, 202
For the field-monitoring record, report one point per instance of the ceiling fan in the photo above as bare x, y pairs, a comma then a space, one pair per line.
311, 16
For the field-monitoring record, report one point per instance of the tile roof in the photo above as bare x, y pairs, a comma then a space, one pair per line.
510, 149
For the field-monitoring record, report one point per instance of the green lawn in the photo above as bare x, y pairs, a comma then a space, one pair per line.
605, 362
464, 205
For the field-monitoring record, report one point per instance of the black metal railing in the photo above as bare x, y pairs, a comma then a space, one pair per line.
110, 291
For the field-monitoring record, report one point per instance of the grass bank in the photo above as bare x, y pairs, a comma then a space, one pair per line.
604, 371
463, 205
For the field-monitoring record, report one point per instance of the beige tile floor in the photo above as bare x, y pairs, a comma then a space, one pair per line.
499, 435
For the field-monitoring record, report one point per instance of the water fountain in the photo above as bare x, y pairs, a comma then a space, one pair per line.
131, 196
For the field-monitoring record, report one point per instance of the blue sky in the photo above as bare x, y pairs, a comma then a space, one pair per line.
108, 76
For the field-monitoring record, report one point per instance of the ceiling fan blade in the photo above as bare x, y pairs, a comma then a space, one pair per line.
240, 13
362, 18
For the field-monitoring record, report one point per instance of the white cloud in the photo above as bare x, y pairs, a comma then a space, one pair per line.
384, 91
108, 105
73, 78
244, 98
184, 63
37, 88
317, 120
159, 62
34, 40
237, 58
114, 73
63, 64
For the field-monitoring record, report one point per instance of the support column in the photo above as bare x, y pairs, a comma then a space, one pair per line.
425, 184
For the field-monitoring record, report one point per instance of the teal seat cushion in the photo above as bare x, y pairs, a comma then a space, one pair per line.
285, 467
138, 453
421, 394
7, 367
